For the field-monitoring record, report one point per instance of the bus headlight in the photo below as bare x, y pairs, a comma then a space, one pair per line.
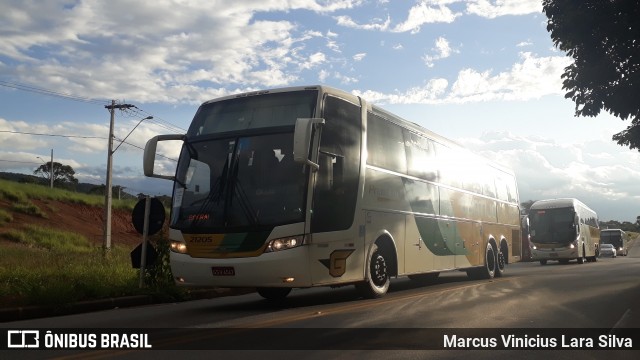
284, 243
179, 247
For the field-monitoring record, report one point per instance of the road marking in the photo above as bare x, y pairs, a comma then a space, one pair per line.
623, 320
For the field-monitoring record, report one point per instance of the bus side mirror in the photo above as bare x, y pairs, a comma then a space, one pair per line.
149, 157
302, 140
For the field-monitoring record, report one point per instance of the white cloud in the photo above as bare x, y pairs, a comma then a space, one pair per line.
442, 50
164, 51
532, 78
377, 24
426, 12
323, 75
315, 60
494, 8
359, 57
524, 44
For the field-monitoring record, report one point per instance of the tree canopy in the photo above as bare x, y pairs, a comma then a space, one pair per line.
603, 38
63, 175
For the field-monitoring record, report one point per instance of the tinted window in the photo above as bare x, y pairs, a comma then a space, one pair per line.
339, 159
420, 156
252, 112
385, 144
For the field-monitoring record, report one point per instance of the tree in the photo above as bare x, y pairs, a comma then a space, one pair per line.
603, 38
526, 206
62, 174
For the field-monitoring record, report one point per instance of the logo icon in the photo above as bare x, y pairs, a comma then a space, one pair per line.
23, 339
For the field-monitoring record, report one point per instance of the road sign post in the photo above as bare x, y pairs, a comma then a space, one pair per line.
148, 217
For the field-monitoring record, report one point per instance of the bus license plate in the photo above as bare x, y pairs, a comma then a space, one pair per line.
223, 271
554, 255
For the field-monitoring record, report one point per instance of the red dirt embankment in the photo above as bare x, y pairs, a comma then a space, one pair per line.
77, 218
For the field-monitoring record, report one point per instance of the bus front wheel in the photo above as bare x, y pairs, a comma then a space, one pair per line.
581, 258
378, 280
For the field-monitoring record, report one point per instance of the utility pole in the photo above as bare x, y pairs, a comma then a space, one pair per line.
51, 174
106, 243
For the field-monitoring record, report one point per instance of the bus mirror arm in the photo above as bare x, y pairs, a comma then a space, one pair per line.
302, 139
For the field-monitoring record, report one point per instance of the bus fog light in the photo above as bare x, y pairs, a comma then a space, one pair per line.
288, 280
179, 247
284, 243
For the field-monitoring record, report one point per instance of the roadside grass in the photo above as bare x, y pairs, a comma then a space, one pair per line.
46, 266
38, 276
5, 216
56, 268
28, 208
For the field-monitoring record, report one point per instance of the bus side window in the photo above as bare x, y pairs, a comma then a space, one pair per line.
386, 145
420, 156
339, 159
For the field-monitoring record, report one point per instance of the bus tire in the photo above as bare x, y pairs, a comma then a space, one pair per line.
274, 294
488, 271
501, 261
543, 262
378, 279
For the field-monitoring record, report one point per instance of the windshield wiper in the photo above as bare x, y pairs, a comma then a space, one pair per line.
245, 204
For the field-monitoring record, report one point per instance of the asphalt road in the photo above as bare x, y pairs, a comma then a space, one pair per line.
604, 296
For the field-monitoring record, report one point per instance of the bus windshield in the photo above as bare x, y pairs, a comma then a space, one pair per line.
238, 182
552, 225
610, 237
236, 169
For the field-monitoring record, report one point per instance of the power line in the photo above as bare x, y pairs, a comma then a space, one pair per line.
43, 91
160, 122
78, 136
141, 148
54, 135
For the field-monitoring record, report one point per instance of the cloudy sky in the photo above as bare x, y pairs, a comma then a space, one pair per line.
482, 72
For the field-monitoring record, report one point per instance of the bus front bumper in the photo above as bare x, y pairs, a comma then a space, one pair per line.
287, 268
554, 254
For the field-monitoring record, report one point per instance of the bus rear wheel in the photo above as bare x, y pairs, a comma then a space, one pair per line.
378, 279
274, 294
488, 271
501, 264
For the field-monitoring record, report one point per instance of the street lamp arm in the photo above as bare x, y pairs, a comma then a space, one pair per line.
125, 138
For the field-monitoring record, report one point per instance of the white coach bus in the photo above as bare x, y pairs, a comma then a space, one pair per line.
563, 230
312, 186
